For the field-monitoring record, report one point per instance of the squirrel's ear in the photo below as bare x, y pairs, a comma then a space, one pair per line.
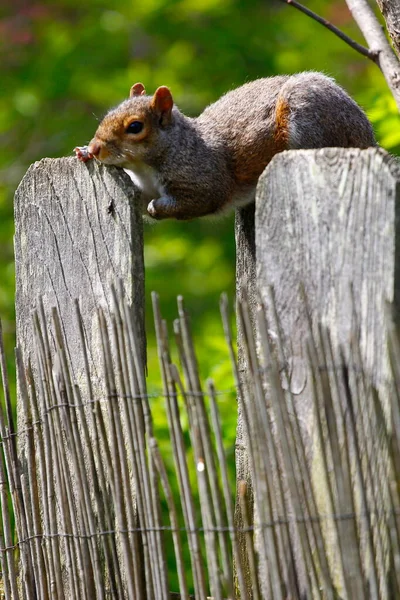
162, 103
137, 90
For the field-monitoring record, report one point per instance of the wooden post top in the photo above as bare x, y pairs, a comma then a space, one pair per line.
328, 220
78, 228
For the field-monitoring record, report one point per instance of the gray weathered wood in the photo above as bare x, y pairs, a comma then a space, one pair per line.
390, 10
78, 228
245, 290
326, 219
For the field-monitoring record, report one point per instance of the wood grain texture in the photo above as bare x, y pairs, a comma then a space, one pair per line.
69, 244
245, 283
327, 219
390, 10
245, 290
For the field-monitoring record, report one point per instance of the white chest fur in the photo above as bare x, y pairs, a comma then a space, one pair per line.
147, 180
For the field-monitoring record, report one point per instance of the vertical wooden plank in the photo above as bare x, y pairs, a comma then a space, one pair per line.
327, 219
245, 290
78, 228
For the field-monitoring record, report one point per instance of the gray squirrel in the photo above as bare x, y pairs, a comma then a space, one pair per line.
192, 167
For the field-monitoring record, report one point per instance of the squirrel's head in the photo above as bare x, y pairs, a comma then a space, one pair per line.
130, 131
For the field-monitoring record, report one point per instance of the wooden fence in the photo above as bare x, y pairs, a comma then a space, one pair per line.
317, 377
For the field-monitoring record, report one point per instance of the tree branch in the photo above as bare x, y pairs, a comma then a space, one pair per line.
355, 45
377, 42
379, 51
391, 13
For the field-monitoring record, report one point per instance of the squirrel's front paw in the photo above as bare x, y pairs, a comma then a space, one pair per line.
83, 154
157, 209
151, 209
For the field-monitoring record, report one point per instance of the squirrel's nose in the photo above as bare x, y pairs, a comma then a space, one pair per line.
94, 148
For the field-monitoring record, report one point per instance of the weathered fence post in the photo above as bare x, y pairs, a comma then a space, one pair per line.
78, 229
326, 222
246, 289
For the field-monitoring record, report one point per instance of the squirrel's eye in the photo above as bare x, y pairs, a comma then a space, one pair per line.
134, 127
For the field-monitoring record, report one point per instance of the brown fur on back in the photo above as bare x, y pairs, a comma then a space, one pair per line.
244, 119
322, 114
281, 135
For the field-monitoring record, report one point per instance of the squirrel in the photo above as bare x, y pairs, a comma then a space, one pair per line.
193, 167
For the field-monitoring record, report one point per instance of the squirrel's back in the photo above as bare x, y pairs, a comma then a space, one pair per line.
191, 167
318, 113
266, 116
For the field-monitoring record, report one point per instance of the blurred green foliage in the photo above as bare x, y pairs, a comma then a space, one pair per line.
64, 63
